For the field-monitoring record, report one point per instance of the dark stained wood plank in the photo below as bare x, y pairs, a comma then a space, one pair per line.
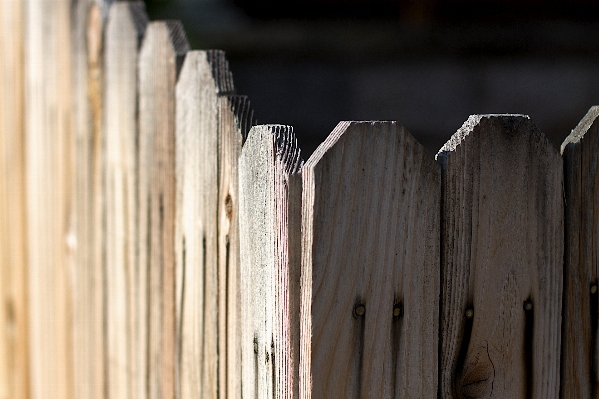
502, 254
580, 152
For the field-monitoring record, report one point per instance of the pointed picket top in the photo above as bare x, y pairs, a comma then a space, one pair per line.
370, 265
269, 214
580, 151
502, 255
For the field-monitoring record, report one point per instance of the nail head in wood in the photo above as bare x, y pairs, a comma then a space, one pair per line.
528, 305
470, 313
397, 311
359, 310
594, 289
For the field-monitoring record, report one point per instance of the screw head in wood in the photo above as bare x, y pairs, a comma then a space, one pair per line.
359, 310
470, 313
397, 311
528, 305
594, 289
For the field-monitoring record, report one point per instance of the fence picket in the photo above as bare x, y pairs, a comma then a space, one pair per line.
370, 265
580, 151
51, 243
268, 260
161, 55
14, 362
124, 32
502, 254
235, 119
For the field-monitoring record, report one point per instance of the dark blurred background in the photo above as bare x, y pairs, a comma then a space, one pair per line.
427, 64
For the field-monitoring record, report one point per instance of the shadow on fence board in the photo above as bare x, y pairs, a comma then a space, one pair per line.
180, 256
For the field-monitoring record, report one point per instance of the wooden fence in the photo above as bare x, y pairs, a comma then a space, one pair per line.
156, 243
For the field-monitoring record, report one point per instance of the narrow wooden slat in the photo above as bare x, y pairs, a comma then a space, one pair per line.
196, 251
48, 124
161, 57
502, 254
13, 260
124, 32
87, 224
370, 265
580, 152
234, 120
267, 261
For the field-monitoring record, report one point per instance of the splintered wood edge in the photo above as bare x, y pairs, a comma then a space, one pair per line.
468, 127
285, 145
243, 112
221, 72
581, 129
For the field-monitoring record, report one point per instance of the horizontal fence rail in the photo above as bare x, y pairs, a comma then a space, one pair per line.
157, 243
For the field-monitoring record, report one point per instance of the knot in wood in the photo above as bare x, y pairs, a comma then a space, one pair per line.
229, 206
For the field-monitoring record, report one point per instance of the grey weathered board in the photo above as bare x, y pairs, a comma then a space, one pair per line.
124, 31
14, 365
501, 257
580, 152
269, 261
235, 117
370, 265
161, 56
48, 128
87, 207
211, 123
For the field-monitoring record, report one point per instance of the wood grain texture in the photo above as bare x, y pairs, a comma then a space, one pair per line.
502, 254
13, 261
580, 151
124, 31
370, 265
48, 126
196, 228
87, 204
267, 262
161, 56
235, 117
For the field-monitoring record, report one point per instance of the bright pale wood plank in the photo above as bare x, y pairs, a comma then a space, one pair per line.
124, 31
502, 245
580, 152
48, 121
197, 185
13, 262
370, 265
161, 55
268, 158
87, 202
235, 119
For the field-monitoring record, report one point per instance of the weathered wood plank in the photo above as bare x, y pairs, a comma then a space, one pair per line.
13, 261
124, 31
235, 119
580, 150
161, 56
370, 265
196, 227
87, 223
48, 124
502, 254
268, 262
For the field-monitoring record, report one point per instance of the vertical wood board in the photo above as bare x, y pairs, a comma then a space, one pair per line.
13, 261
48, 126
502, 254
370, 265
161, 56
124, 32
269, 158
580, 151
